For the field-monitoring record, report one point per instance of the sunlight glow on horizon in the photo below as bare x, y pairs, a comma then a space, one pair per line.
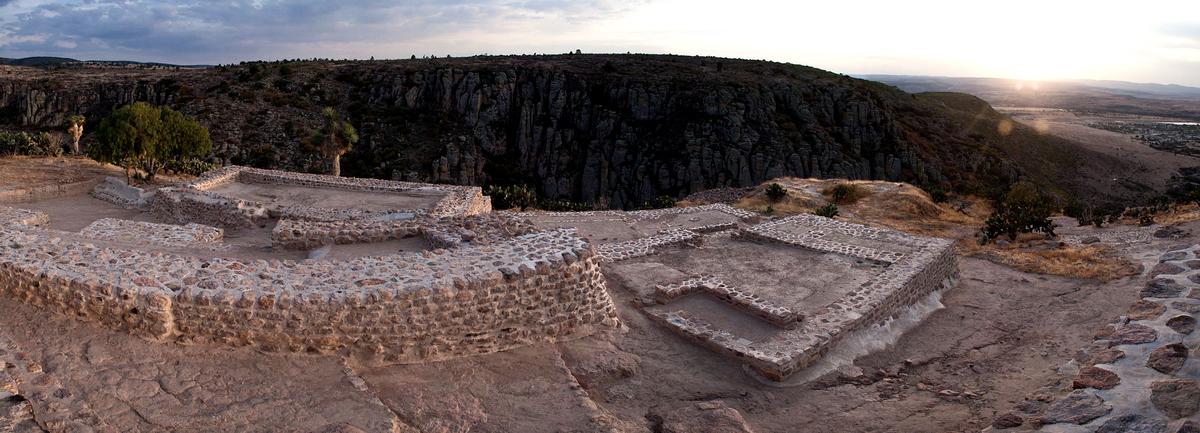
1158, 41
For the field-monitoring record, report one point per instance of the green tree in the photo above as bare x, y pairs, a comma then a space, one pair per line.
146, 136
335, 138
1023, 210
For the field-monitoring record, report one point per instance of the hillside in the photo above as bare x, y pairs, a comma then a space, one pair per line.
611, 129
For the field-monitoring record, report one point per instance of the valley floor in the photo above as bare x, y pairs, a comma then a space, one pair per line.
1155, 167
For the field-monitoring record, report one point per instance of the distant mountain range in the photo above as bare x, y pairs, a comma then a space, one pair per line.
34, 61
976, 85
45, 60
1097, 96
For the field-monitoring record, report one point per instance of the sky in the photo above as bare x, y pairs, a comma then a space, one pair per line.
1152, 42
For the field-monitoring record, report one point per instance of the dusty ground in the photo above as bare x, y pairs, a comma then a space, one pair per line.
1156, 166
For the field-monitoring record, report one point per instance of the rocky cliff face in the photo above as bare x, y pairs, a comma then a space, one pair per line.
610, 129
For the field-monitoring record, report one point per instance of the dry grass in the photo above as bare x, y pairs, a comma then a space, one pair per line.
787, 206
909, 209
1036, 253
1180, 215
898, 206
846, 193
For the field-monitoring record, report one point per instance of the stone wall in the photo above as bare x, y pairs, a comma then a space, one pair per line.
458, 200
35, 193
23, 217
915, 266
117, 192
194, 203
188, 205
447, 232
469, 300
928, 264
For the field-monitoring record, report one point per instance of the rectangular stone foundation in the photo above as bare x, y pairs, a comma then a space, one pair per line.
916, 266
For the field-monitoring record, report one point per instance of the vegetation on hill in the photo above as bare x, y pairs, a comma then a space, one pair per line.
611, 130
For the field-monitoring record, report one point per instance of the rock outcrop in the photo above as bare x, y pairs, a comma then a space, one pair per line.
615, 129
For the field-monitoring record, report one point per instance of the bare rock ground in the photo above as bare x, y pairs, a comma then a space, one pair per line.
142, 386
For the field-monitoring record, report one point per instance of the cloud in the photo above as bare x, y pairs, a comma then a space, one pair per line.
196, 30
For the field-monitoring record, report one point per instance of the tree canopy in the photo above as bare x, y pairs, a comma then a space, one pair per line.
143, 136
334, 139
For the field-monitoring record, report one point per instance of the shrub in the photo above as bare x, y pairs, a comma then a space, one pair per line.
1023, 210
564, 206
1088, 214
775, 192
660, 202
192, 166
938, 195
827, 211
21, 143
511, 197
844, 193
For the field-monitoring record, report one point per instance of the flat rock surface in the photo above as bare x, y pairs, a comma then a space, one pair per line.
1182, 324
527, 389
140, 386
1132, 423
1008, 420
1164, 269
1168, 359
1176, 397
595, 361
1144, 310
1096, 377
704, 417
1133, 333
1079, 407
1162, 288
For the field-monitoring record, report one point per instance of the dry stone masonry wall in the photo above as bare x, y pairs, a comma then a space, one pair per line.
916, 266
189, 205
647, 246
472, 299
195, 203
775, 314
167, 234
115, 191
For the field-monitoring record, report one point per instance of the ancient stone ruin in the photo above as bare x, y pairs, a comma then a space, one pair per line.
481, 295
483, 282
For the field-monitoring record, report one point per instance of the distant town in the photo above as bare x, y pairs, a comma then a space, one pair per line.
1175, 137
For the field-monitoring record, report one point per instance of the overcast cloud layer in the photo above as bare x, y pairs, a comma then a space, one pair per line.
1150, 42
